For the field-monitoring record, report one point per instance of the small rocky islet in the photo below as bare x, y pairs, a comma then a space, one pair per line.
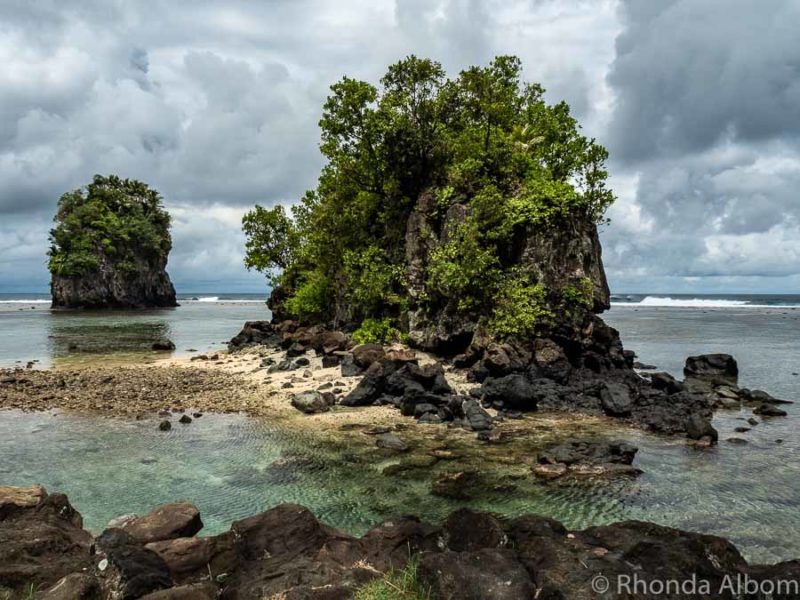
447, 269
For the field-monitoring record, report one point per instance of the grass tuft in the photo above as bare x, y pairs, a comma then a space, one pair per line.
403, 584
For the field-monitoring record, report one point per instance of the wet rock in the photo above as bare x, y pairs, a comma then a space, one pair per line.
125, 569
591, 453
699, 427
391, 441
769, 410
166, 522
736, 441
286, 530
550, 471
643, 366
707, 371
165, 426
163, 346
185, 419
478, 575
760, 396
311, 402
477, 418
666, 383
515, 391
615, 398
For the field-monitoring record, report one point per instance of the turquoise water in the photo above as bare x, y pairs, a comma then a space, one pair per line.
233, 466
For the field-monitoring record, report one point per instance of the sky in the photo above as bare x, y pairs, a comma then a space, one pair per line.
216, 104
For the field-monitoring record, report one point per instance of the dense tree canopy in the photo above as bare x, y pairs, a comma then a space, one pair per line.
121, 221
484, 140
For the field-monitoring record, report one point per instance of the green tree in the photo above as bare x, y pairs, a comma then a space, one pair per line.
120, 221
485, 143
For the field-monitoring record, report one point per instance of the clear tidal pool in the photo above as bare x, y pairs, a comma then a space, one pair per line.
233, 466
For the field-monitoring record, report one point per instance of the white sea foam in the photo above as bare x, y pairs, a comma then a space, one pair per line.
209, 299
37, 301
655, 301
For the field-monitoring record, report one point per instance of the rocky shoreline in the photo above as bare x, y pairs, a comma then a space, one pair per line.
286, 553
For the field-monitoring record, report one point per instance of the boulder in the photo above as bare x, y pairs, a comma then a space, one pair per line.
125, 569
615, 398
194, 558
311, 402
366, 354
699, 427
479, 575
514, 391
41, 539
709, 370
590, 453
769, 410
477, 418
368, 390
163, 346
254, 333
285, 531
166, 522
665, 382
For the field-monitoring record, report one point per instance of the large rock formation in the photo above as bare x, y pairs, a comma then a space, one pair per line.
148, 287
566, 253
286, 552
110, 246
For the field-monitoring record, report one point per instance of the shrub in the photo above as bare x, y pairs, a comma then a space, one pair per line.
520, 307
395, 585
378, 331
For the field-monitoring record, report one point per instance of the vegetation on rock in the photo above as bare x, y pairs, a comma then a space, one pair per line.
483, 156
121, 220
402, 584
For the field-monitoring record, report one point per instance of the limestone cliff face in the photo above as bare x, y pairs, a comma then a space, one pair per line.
146, 286
557, 255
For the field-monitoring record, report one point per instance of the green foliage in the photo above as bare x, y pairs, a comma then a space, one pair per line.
459, 267
520, 307
271, 239
395, 585
118, 220
377, 331
484, 145
577, 296
310, 301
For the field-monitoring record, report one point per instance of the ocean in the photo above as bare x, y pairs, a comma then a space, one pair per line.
233, 466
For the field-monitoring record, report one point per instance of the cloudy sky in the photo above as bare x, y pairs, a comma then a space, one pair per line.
215, 103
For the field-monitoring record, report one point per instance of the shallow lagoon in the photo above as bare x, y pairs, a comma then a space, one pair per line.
234, 466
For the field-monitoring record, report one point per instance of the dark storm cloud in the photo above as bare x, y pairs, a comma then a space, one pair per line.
688, 73
216, 104
704, 135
